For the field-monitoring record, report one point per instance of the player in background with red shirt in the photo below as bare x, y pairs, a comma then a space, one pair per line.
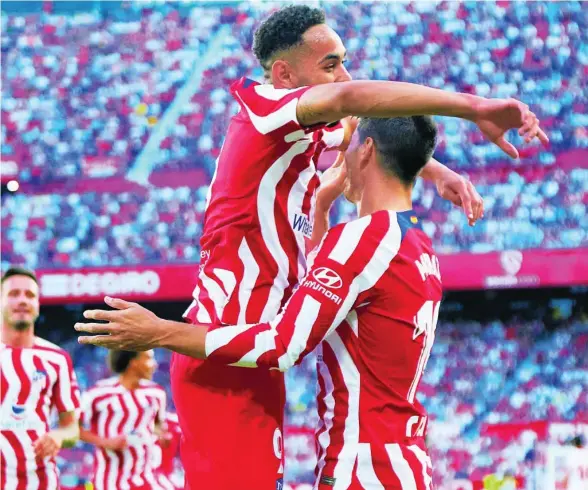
36, 377
124, 416
264, 215
167, 451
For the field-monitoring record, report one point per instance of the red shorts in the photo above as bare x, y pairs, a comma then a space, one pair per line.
231, 420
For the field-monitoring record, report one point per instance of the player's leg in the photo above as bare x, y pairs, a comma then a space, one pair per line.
231, 420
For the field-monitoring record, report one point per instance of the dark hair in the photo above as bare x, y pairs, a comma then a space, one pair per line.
19, 271
283, 30
404, 144
119, 360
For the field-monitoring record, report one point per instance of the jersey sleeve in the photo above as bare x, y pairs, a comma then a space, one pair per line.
270, 109
332, 136
66, 394
347, 263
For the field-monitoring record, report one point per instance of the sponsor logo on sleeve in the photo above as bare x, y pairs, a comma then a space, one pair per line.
324, 280
328, 277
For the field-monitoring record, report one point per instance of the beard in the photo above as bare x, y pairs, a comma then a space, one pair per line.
21, 325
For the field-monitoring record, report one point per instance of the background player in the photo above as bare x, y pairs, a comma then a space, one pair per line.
123, 417
260, 216
36, 378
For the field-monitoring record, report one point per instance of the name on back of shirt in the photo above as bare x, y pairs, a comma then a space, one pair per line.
428, 265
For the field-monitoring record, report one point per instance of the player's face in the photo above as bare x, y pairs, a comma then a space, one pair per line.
320, 58
145, 364
20, 302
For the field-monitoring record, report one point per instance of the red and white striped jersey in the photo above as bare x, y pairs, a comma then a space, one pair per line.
167, 456
35, 383
111, 410
260, 208
371, 300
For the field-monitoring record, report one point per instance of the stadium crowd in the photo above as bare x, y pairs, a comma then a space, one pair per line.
79, 107
70, 97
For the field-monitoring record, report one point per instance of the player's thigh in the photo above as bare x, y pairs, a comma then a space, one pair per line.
250, 458
231, 421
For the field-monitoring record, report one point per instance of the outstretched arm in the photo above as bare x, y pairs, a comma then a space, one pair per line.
308, 318
351, 259
334, 101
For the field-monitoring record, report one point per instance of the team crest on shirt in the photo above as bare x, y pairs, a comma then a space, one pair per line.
39, 375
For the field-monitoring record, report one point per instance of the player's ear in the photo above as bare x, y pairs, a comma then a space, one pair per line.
282, 74
366, 152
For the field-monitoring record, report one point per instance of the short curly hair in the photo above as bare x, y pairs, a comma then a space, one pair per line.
283, 30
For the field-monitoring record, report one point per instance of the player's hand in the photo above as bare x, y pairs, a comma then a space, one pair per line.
333, 182
47, 446
115, 443
495, 117
349, 126
129, 327
461, 192
165, 439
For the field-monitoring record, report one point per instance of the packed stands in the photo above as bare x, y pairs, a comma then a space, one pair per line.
77, 110
78, 105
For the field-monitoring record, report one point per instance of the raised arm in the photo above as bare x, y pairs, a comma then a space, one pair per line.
332, 102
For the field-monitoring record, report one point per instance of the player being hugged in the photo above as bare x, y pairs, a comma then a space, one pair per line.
266, 210
36, 378
124, 416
